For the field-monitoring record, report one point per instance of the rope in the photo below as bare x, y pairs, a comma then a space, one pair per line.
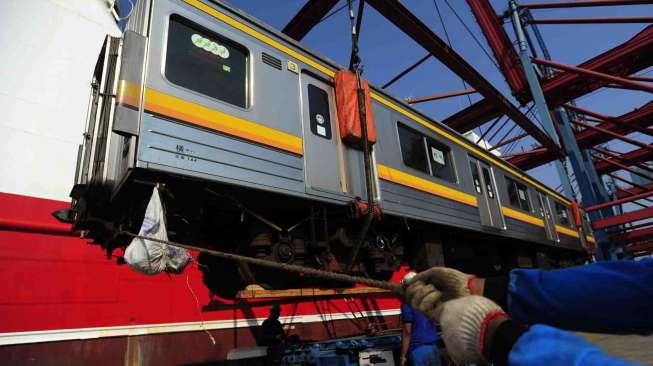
311, 272
199, 310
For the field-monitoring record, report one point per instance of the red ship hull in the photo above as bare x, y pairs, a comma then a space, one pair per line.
63, 302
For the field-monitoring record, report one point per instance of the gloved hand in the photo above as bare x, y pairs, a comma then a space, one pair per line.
463, 321
447, 282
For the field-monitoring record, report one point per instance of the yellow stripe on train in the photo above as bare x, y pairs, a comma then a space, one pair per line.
327, 71
405, 179
567, 231
522, 216
408, 180
200, 115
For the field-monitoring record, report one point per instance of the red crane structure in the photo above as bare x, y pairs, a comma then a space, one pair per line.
569, 132
560, 84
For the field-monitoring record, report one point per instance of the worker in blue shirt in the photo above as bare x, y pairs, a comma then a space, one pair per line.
608, 297
419, 336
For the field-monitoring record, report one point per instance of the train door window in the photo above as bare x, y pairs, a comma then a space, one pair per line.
562, 214
412, 149
518, 194
475, 177
202, 61
440, 157
318, 109
488, 182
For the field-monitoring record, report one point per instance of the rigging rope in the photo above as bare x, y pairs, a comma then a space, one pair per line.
311, 272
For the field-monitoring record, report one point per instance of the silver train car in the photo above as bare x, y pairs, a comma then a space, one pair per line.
238, 123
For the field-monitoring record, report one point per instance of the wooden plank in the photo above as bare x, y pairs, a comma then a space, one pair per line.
256, 292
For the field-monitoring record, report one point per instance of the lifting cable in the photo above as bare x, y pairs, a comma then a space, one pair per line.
355, 66
428, 55
446, 34
472, 35
333, 13
311, 272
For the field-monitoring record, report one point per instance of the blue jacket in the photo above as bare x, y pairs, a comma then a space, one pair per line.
424, 331
607, 297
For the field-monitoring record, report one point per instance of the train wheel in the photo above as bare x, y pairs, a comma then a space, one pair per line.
261, 242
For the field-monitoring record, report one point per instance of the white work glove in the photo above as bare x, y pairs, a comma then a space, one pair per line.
427, 288
463, 321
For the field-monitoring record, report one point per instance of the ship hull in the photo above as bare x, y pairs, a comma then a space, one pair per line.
162, 349
62, 301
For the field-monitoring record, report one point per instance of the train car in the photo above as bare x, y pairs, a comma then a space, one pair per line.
240, 127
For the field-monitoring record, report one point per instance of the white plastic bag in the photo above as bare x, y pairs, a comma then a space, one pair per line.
151, 257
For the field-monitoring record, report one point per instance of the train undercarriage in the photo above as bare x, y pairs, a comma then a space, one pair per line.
291, 230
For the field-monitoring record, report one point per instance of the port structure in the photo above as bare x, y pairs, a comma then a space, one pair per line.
569, 135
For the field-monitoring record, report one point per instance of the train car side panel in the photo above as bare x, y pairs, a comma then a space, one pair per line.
409, 191
258, 123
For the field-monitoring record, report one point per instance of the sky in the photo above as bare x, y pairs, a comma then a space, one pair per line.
385, 51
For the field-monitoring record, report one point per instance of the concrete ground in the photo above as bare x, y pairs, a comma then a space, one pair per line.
629, 347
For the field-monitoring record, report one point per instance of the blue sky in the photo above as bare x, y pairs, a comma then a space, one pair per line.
386, 51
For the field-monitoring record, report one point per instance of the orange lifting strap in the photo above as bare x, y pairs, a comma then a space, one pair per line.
347, 106
575, 213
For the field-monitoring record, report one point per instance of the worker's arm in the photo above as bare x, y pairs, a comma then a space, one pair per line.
476, 331
406, 331
544, 345
611, 296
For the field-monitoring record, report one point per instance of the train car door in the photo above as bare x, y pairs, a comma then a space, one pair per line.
547, 216
489, 206
322, 149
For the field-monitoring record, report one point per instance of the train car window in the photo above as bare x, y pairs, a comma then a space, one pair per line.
562, 214
518, 194
412, 149
204, 62
318, 109
440, 156
477, 181
488, 182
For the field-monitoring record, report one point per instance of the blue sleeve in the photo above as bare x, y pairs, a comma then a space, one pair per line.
544, 345
606, 297
406, 313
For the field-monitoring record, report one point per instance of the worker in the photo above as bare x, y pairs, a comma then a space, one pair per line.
419, 336
272, 333
608, 297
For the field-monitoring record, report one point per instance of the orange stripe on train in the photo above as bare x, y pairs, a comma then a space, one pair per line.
200, 115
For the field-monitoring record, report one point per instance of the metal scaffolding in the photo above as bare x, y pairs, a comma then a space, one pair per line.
566, 132
554, 90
